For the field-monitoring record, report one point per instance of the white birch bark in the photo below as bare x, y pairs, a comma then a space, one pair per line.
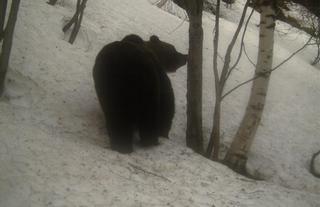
237, 155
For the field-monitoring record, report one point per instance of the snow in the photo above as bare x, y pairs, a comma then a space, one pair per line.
53, 146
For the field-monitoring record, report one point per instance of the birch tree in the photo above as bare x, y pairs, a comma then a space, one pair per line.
236, 157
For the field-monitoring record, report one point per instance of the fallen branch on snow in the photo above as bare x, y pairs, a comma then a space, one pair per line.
148, 172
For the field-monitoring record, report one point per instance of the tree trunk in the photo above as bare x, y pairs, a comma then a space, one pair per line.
214, 141
194, 84
7, 42
3, 9
194, 80
236, 157
76, 20
77, 25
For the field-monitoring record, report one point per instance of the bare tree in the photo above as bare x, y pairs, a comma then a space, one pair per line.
76, 20
220, 80
7, 40
194, 80
236, 157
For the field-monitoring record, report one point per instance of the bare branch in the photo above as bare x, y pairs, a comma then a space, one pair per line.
148, 172
216, 75
242, 44
245, 52
293, 54
273, 69
175, 29
223, 77
74, 18
77, 25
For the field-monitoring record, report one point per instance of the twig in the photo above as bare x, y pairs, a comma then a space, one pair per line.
245, 52
175, 29
293, 54
242, 44
226, 66
312, 168
148, 172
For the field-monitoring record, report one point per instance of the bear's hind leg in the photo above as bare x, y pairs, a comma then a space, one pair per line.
148, 130
121, 138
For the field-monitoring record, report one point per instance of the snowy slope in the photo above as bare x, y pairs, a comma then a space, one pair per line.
53, 150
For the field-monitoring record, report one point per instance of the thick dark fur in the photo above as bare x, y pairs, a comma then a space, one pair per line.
134, 90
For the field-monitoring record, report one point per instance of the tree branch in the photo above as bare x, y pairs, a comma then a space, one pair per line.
74, 18
223, 77
242, 45
148, 172
273, 69
245, 52
216, 74
175, 29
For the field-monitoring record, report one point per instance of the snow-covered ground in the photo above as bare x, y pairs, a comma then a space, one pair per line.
53, 146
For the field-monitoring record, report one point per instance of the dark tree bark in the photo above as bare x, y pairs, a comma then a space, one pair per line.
3, 9
194, 135
7, 42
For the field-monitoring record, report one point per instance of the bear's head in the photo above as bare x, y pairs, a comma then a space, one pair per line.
168, 56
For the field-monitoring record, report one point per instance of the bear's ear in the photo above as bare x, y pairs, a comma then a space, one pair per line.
154, 38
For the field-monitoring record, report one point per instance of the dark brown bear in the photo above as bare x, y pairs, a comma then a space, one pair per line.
134, 90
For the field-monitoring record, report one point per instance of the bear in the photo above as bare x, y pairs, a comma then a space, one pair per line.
134, 90
167, 103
